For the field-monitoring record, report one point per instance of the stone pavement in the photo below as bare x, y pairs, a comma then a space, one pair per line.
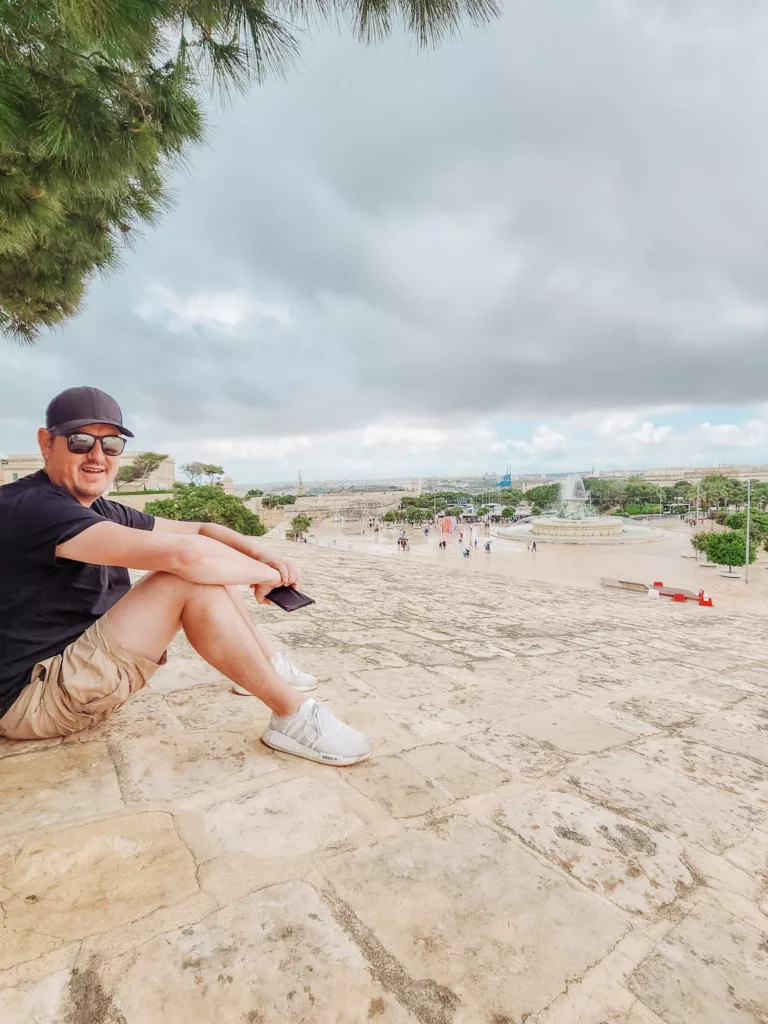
565, 822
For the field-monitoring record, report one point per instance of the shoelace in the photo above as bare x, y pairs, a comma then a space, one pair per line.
318, 718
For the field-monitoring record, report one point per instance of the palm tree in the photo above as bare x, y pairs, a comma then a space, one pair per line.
99, 99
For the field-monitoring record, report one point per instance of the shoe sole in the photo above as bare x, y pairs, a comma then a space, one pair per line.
279, 741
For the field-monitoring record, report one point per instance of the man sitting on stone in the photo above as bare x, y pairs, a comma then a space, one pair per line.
76, 640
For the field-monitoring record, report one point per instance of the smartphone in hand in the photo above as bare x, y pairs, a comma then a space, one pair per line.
289, 598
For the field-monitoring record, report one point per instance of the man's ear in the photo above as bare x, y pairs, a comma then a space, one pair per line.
44, 441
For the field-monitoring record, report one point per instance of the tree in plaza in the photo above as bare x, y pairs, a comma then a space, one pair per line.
454, 510
254, 492
640, 492
193, 471
683, 489
414, 515
544, 494
99, 101
699, 542
536, 509
269, 501
507, 513
144, 466
505, 496
300, 524
758, 523
716, 490
729, 548
760, 494
483, 510
287, 499
605, 494
207, 505
124, 476
389, 517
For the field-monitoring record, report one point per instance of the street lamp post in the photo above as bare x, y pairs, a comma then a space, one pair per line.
749, 516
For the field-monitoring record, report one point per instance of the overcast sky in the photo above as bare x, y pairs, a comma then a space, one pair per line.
544, 245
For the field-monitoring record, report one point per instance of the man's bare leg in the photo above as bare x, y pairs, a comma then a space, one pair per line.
270, 649
287, 669
147, 619
149, 616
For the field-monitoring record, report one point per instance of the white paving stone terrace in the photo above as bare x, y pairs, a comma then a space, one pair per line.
565, 821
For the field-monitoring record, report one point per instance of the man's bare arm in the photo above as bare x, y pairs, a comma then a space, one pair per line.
246, 545
191, 556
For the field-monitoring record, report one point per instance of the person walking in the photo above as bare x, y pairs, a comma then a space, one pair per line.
77, 640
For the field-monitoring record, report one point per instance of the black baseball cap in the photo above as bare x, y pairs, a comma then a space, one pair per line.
77, 407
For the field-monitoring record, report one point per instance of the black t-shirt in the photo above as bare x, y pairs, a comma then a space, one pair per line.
47, 602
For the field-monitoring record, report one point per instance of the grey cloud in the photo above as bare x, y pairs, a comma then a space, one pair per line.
566, 211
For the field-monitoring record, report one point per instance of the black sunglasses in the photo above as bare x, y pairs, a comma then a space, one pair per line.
81, 444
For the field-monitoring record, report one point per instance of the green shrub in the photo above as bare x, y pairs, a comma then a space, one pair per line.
208, 505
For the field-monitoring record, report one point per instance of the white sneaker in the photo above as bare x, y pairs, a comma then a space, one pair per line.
313, 732
288, 670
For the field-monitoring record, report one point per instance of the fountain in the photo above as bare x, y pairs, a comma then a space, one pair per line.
576, 522
576, 518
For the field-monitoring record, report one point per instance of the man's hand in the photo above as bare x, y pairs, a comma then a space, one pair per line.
289, 573
261, 591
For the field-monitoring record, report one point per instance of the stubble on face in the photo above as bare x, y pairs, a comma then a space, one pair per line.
86, 477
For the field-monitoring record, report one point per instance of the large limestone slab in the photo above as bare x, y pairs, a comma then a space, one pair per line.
146, 714
184, 674
700, 761
454, 770
751, 855
288, 820
501, 703
216, 707
665, 800
276, 957
429, 719
516, 753
667, 712
403, 789
57, 786
405, 683
10, 748
712, 969
596, 999
572, 732
40, 1002
479, 916
639, 870
172, 766
90, 878
742, 729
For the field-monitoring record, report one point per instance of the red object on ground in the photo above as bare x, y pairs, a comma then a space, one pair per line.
679, 597
658, 583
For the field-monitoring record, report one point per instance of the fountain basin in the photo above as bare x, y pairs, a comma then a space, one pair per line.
596, 526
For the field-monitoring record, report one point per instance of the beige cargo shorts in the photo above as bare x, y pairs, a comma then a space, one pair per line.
78, 688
